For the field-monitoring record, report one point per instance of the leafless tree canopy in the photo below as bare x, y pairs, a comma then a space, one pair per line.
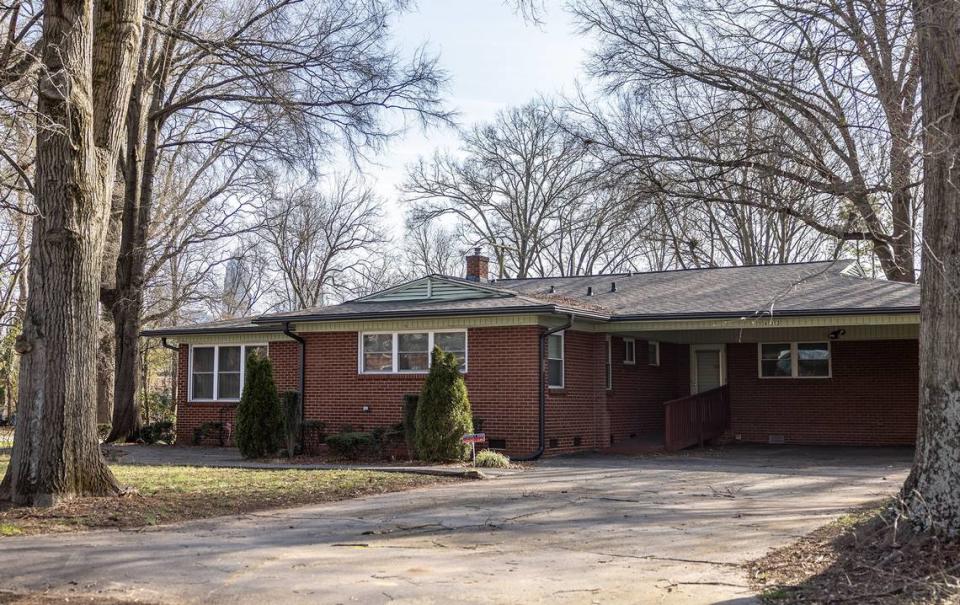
817, 94
527, 189
321, 239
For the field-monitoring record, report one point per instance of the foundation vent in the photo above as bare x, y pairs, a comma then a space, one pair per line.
776, 439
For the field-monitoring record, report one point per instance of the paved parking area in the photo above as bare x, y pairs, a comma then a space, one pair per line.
591, 529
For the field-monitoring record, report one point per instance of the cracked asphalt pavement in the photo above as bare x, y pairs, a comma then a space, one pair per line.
591, 529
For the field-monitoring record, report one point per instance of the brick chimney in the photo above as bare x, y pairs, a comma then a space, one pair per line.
478, 266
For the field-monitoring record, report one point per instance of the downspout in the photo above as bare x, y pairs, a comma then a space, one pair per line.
166, 345
303, 362
543, 391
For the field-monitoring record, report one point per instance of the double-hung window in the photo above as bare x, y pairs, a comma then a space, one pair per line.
794, 360
217, 371
555, 360
629, 351
408, 352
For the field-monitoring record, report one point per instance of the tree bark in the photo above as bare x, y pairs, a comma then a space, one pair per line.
140, 164
105, 371
88, 53
932, 491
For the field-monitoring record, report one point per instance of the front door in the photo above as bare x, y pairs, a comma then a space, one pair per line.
706, 367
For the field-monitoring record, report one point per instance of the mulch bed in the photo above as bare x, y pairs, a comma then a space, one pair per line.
867, 557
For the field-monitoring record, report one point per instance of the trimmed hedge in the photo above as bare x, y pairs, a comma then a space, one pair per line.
259, 417
157, 432
351, 445
443, 411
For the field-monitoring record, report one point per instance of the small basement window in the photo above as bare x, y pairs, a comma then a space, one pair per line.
629, 351
794, 360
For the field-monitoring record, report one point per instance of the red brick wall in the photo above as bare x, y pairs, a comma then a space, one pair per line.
636, 401
501, 379
871, 399
191, 415
634, 406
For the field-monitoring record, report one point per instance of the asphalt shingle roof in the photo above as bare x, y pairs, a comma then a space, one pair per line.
794, 289
803, 288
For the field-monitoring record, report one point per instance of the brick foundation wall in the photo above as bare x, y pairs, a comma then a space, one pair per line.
872, 398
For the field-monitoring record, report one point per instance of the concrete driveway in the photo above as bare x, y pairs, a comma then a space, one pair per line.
667, 529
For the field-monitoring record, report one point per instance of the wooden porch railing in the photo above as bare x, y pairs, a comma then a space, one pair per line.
698, 418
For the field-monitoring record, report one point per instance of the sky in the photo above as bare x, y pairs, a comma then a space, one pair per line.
495, 60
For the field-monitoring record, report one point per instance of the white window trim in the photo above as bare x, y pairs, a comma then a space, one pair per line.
656, 346
629, 344
795, 360
216, 370
395, 345
562, 359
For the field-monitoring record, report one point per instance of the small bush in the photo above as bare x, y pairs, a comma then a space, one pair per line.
291, 420
351, 445
492, 459
161, 431
443, 412
259, 417
103, 430
410, 423
209, 428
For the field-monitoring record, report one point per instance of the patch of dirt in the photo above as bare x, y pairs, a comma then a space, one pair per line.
867, 557
38, 598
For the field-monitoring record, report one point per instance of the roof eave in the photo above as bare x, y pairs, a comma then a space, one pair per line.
537, 309
158, 332
782, 313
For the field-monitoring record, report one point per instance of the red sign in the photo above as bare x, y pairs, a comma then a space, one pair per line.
475, 438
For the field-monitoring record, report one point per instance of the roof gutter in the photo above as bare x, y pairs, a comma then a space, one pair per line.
541, 434
301, 378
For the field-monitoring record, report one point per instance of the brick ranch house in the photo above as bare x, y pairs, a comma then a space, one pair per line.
797, 354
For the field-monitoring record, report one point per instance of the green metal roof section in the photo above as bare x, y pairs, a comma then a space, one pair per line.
435, 287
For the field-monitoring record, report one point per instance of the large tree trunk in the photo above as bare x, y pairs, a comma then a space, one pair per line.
932, 491
81, 109
143, 132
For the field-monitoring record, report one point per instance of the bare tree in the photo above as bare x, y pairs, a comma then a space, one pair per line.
839, 78
260, 82
932, 491
87, 72
517, 176
432, 249
320, 238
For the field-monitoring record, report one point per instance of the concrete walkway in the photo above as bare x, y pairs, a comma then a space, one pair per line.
230, 457
665, 529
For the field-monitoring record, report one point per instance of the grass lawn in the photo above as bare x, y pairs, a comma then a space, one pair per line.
166, 494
